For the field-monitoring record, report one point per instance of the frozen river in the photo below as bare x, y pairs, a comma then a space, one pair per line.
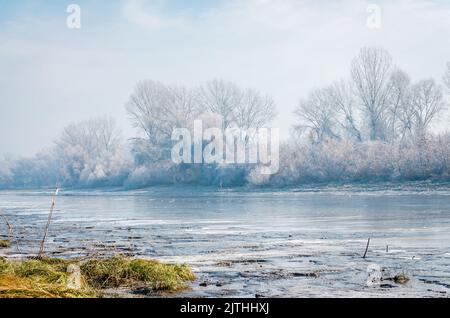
296, 243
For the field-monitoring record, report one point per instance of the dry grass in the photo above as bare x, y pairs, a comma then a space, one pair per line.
47, 278
120, 272
401, 279
13, 286
5, 243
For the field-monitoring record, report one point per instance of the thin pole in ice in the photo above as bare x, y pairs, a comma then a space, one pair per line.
41, 250
367, 248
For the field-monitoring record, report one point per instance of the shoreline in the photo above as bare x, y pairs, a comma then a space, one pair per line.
356, 186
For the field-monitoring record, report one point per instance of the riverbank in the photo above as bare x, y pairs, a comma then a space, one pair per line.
90, 278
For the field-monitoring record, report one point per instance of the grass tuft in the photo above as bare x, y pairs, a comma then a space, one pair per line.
47, 278
119, 272
5, 243
37, 278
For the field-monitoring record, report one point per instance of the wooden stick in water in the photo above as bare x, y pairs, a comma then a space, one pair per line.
367, 248
41, 250
11, 235
8, 225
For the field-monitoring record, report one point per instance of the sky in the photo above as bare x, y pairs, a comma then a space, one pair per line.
51, 76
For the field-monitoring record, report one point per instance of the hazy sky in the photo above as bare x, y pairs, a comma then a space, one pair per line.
51, 75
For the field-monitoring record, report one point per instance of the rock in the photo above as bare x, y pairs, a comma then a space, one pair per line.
204, 284
313, 274
401, 279
374, 276
74, 279
387, 286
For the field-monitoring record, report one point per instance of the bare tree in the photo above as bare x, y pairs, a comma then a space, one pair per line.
254, 110
341, 95
371, 72
399, 104
406, 118
94, 136
317, 114
156, 109
221, 98
427, 102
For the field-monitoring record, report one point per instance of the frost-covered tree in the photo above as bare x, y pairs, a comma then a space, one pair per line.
371, 73
156, 109
254, 110
91, 153
398, 105
237, 107
398, 118
6, 170
40, 170
221, 98
317, 115
427, 102
344, 100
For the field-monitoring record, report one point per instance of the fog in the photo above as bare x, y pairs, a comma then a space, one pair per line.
52, 76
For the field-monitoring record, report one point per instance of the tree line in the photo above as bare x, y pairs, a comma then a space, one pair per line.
379, 102
373, 126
